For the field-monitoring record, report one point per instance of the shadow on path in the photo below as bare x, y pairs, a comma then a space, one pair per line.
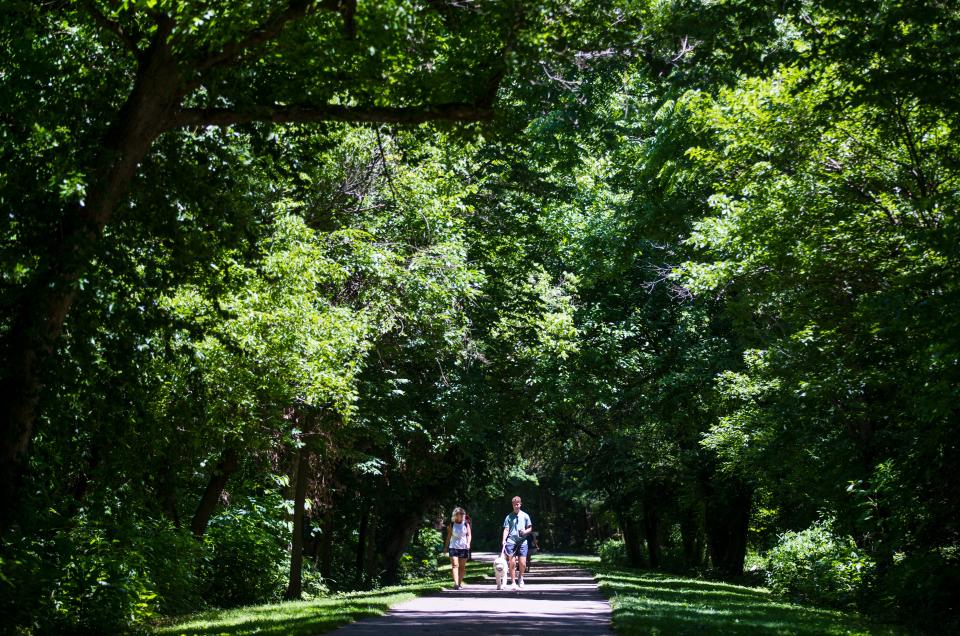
556, 599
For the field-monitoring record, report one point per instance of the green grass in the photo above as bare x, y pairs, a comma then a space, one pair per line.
309, 617
647, 602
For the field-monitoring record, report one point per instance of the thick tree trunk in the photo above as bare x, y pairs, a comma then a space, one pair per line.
295, 586
728, 521
691, 534
40, 317
631, 539
402, 528
211, 495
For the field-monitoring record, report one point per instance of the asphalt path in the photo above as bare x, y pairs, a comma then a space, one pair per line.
556, 599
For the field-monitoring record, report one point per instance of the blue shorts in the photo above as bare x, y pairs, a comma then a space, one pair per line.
511, 546
460, 553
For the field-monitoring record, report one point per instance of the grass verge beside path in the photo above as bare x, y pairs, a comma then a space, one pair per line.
310, 617
647, 602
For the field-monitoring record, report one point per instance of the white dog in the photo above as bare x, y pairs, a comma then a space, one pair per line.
500, 571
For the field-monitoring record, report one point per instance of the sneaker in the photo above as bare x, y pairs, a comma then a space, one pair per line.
499, 587
457, 587
520, 582
514, 587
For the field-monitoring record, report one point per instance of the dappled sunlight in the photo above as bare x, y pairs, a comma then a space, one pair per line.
301, 297
649, 603
311, 616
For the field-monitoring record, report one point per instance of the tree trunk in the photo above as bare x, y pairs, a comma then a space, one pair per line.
631, 539
326, 542
362, 539
40, 317
651, 529
728, 521
218, 480
295, 586
691, 535
371, 556
402, 529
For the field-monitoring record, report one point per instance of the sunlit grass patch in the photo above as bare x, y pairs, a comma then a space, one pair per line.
309, 617
647, 602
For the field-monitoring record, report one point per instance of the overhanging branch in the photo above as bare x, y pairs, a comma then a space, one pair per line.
451, 112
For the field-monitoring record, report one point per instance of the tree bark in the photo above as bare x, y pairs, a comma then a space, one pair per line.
362, 539
728, 521
326, 543
631, 539
651, 528
451, 112
402, 528
295, 586
371, 565
211, 495
691, 536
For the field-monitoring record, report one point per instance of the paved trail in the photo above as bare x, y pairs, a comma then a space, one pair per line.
557, 599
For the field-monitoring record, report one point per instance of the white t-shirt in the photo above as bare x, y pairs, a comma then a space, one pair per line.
458, 538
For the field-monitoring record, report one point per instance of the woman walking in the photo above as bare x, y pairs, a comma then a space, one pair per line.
458, 545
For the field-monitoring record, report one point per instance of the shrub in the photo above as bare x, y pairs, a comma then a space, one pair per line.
818, 565
246, 560
90, 579
921, 588
314, 586
613, 552
26, 578
103, 588
420, 557
172, 557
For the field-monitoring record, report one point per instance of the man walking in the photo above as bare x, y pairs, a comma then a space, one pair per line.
516, 527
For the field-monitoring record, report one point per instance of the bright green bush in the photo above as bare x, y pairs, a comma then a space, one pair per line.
420, 557
613, 552
314, 585
818, 565
246, 559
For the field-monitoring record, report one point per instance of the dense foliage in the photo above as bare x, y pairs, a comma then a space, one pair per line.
282, 282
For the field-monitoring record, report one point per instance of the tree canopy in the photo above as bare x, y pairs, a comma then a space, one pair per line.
284, 281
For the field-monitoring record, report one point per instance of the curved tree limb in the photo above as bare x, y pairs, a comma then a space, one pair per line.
129, 40
453, 112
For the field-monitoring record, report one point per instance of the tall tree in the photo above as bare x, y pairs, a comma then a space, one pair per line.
174, 65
